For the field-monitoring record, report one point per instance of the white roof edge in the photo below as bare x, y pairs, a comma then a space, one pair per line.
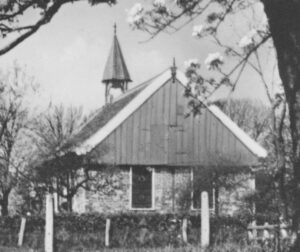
238, 132
122, 115
132, 106
252, 145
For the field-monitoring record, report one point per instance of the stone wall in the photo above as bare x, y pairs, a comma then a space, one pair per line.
108, 192
232, 200
111, 193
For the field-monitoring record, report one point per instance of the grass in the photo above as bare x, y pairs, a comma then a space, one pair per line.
227, 247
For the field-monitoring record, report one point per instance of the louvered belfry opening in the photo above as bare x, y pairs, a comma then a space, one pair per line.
116, 75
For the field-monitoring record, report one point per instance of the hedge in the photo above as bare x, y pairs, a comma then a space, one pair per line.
128, 230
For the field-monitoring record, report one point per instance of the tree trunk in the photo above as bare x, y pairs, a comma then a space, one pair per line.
69, 201
4, 203
284, 20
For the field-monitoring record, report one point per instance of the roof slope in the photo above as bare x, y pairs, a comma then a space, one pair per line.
115, 68
103, 115
111, 117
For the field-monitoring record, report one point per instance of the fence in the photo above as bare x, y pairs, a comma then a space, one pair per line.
278, 237
267, 232
106, 230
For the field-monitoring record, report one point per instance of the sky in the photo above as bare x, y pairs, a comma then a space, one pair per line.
67, 56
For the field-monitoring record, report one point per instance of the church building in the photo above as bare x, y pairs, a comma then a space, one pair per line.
157, 152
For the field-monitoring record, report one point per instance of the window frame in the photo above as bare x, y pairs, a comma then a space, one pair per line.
211, 209
152, 191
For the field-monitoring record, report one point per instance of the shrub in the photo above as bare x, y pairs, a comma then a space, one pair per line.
128, 230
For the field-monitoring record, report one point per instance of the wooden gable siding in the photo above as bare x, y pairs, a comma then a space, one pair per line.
158, 133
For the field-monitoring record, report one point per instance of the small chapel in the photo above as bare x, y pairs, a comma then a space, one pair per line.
157, 152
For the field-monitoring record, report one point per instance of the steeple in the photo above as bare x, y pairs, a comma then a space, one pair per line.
115, 74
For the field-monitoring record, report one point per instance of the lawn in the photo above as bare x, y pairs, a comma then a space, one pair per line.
228, 247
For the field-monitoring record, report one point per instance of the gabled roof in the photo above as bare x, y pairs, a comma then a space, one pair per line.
115, 68
109, 118
103, 115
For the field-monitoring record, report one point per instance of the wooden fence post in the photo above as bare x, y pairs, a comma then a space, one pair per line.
266, 233
107, 229
21, 232
254, 231
55, 197
49, 223
184, 230
205, 231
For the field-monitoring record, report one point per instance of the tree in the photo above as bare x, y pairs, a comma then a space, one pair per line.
281, 26
252, 116
65, 173
14, 29
52, 130
14, 119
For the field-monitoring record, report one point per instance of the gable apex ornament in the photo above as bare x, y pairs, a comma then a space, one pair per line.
173, 70
115, 28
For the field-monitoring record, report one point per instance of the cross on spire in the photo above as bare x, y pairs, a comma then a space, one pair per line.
115, 28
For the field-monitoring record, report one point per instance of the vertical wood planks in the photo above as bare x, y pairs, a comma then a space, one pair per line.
196, 140
213, 153
129, 141
123, 143
190, 139
158, 133
153, 129
173, 98
118, 145
147, 131
135, 137
166, 91
142, 132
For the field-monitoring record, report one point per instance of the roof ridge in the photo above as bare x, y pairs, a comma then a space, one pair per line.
137, 87
129, 107
126, 94
123, 114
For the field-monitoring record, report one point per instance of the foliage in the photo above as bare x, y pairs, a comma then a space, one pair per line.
15, 148
228, 246
252, 116
50, 131
14, 28
130, 230
247, 52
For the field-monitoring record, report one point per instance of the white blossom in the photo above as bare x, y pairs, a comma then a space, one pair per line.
135, 15
161, 7
278, 90
197, 29
213, 60
248, 39
159, 3
264, 24
194, 63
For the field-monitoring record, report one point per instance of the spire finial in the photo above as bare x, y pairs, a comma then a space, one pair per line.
115, 28
173, 70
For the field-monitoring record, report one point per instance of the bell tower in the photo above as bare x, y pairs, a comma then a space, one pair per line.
116, 75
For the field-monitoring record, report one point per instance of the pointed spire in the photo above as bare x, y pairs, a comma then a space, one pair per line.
115, 70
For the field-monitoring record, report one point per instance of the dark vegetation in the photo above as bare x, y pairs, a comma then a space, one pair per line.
128, 230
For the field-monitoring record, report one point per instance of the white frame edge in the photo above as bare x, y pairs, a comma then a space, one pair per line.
152, 191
